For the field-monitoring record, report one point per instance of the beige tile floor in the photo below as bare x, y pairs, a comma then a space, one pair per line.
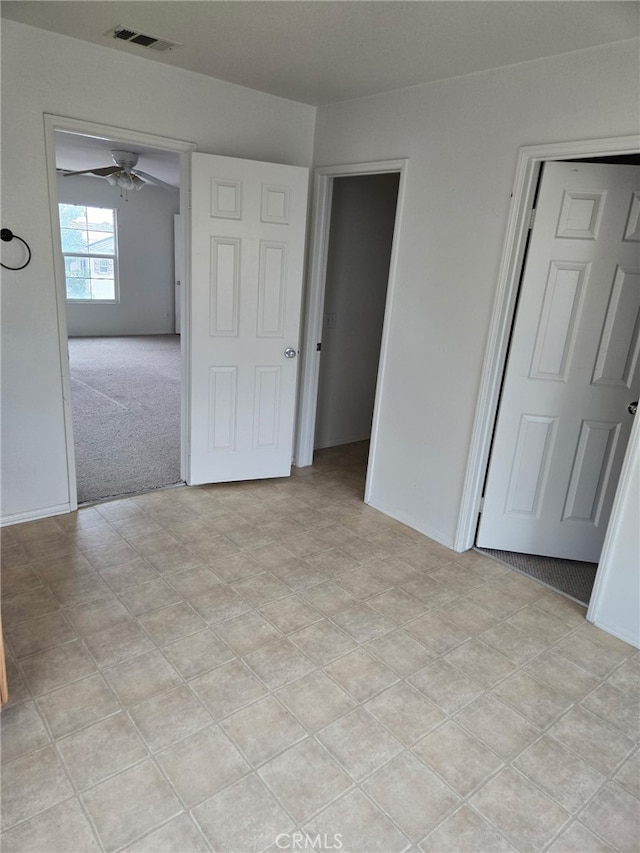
265, 665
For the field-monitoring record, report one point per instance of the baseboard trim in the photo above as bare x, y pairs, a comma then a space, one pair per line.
625, 636
436, 535
338, 442
34, 515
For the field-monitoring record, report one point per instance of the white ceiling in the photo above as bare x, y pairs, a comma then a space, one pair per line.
324, 52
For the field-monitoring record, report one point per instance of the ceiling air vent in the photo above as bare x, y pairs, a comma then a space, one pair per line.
134, 37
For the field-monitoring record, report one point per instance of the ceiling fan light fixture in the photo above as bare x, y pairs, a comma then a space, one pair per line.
123, 174
127, 160
124, 181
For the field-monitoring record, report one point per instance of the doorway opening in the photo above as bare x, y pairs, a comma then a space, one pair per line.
116, 231
355, 228
567, 561
114, 198
363, 213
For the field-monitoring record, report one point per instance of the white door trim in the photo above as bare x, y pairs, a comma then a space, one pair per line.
124, 136
600, 608
310, 369
530, 159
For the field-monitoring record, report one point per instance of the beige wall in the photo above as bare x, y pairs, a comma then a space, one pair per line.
44, 72
461, 137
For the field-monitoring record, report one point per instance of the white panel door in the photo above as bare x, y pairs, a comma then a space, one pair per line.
247, 253
563, 424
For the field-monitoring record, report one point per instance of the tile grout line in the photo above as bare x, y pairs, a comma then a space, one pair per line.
362, 644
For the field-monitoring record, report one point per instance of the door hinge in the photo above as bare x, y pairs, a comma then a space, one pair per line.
318, 347
480, 505
532, 219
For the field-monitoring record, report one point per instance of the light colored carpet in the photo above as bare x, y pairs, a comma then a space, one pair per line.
125, 397
570, 577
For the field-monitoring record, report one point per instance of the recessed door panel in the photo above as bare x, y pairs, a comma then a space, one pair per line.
580, 215
618, 351
591, 471
222, 408
632, 229
530, 465
560, 313
226, 198
275, 204
225, 286
267, 406
272, 280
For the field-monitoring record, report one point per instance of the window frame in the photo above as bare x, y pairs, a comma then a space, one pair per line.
93, 256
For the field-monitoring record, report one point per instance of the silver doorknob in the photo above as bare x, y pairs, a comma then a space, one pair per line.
290, 353
632, 408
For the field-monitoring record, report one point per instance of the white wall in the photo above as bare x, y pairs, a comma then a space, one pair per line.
361, 234
145, 260
45, 72
615, 603
462, 138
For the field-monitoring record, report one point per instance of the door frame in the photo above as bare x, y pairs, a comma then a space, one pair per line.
178, 272
530, 159
124, 137
314, 304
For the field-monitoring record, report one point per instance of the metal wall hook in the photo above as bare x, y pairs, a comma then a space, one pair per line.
6, 235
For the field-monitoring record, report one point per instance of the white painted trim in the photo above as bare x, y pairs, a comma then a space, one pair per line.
608, 556
312, 333
310, 370
185, 315
375, 167
61, 301
36, 514
124, 137
120, 135
352, 439
530, 159
386, 327
414, 523
625, 636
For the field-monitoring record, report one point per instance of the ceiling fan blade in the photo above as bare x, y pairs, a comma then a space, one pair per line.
101, 173
155, 181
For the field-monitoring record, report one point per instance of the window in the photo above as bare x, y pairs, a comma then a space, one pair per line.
89, 248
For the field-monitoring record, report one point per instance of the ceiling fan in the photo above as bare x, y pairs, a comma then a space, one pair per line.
123, 174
